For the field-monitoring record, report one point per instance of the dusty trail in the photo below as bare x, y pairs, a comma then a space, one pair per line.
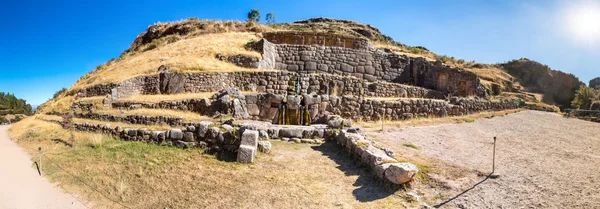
543, 159
20, 184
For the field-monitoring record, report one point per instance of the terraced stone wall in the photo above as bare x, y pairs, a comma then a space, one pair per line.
370, 64
277, 82
265, 107
366, 62
97, 90
317, 39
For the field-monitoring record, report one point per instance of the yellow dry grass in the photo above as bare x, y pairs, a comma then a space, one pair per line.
491, 74
415, 53
58, 105
195, 54
140, 175
188, 116
123, 125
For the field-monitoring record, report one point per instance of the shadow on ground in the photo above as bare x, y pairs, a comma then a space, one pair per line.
370, 188
467, 190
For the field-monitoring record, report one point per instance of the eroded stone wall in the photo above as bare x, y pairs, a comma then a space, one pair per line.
368, 63
265, 107
97, 90
317, 39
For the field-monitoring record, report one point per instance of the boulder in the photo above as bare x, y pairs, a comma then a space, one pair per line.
239, 109
263, 135
175, 134
291, 132
202, 129
379, 170
188, 137
171, 83
400, 173
250, 138
264, 146
246, 154
335, 121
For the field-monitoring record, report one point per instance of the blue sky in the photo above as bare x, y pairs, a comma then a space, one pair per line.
45, 46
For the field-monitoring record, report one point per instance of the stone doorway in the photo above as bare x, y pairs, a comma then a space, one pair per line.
442, 83
462, 88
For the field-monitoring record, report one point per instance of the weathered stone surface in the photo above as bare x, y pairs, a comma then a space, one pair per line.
400, 173
379, 170
264, 146
291, 132
176, 134
335, 121
203, 128
250, 138
246, 154
188, 137
172, 83
263, 134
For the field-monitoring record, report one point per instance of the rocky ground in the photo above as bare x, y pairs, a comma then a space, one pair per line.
542, 160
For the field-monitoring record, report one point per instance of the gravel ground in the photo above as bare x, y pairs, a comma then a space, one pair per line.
543, 160
20, 184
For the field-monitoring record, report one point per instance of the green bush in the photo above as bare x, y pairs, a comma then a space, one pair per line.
584, 97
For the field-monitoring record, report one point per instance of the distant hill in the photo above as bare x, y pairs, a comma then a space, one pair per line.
557, 87
13, 108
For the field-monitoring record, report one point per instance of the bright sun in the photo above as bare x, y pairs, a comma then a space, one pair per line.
583, 19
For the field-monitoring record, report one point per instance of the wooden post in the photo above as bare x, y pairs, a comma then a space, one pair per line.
40, 149
494, 157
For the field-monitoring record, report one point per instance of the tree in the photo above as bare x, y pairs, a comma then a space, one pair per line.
254, 15
584, 97
270, 18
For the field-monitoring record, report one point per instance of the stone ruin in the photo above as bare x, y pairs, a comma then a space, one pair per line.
321, 83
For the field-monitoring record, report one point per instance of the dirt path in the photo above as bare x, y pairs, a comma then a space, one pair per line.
20, 184
543, 159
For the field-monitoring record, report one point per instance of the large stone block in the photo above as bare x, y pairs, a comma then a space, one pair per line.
188, 136
246, 154
400, 173
291, 132
202, 129
379, 170
310, 66
250, 138
346, 68
175, 134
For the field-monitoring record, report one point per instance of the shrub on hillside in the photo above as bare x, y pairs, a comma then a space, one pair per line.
584, 97
558, 87
59, 92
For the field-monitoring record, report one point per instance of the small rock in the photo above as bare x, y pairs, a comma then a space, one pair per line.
296, 140
264, 146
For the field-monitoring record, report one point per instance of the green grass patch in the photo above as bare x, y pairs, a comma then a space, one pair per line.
410, 145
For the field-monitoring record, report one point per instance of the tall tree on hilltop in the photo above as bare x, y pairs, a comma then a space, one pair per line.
270, 18
254, 15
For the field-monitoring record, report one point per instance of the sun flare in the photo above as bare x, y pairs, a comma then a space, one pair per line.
583, 20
